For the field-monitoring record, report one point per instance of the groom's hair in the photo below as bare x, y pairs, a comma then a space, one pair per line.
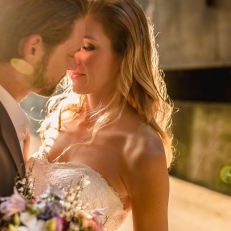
53, 20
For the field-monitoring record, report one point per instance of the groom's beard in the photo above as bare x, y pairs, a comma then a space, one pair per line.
44, 85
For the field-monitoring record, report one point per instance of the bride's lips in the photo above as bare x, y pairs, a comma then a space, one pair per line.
75, 74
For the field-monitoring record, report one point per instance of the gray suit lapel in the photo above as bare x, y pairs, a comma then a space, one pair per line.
10, 138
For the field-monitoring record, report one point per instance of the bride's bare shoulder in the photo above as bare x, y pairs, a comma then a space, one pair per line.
138, 138
143, 142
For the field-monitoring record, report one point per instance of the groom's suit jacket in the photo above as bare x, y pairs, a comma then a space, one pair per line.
11, 159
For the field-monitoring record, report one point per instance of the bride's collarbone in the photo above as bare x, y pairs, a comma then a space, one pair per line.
75, 151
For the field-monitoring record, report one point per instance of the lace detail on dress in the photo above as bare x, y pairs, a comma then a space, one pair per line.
98, 194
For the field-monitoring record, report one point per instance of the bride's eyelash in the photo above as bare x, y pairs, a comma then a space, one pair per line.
89, 47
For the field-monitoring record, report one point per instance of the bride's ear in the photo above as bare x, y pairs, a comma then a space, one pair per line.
31, 48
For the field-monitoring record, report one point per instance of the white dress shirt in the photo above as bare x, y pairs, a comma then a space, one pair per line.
18, 117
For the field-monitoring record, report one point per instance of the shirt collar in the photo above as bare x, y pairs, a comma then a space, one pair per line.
16, 113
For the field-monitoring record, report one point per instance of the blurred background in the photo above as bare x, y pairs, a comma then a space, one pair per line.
194, 44
195, 53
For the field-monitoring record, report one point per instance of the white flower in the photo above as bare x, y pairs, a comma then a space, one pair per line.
67, 205
71, 198
31, 180
31, 222
85, 181
21, 228
21, 189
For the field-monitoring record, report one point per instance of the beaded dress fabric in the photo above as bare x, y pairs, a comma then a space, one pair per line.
98, 194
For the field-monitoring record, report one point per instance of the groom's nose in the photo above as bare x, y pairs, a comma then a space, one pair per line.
72, 64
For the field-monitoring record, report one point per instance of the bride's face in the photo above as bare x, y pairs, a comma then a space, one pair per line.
97, 64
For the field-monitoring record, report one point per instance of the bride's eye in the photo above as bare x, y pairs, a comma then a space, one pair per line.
89, 47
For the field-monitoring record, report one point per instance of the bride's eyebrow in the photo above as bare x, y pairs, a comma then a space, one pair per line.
74, 50
89, 37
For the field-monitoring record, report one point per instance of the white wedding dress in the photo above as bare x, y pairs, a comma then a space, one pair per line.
98, 194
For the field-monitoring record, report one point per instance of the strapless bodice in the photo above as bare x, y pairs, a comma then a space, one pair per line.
98, 194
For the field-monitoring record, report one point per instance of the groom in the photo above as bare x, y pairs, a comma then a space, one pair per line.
38, 41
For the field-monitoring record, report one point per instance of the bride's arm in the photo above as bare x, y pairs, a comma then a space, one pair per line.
26, 148
147, 183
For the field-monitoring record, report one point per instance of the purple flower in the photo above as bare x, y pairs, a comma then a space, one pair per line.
14, 204
96, 214
51, 209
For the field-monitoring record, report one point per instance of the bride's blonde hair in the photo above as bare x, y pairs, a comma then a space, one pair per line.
140, 81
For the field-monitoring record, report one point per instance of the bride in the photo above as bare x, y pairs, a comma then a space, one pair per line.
115, 124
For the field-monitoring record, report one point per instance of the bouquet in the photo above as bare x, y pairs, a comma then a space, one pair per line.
57, 209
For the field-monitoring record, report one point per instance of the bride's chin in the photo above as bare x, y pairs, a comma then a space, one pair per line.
79, 86
79, 90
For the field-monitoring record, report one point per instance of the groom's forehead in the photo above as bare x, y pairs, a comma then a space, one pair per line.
5, 3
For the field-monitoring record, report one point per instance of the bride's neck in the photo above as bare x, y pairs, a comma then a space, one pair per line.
96, 106
93, 102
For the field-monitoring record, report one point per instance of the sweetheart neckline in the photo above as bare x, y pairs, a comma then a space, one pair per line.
87, 166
